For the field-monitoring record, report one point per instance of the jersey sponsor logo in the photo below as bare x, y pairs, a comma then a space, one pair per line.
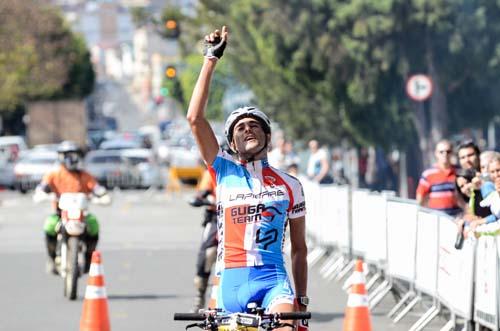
270, 179
265, 194
299, 207
253, 213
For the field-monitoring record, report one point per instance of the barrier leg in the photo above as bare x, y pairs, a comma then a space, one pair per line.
329, 262
426, 318
407, 308
373, 280
379, 293
345, 271
401, 303
450, 325
316, 254
338, 265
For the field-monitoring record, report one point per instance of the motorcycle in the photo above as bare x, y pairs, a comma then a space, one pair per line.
71, 248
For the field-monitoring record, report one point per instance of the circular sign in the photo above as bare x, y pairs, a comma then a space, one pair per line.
419, 87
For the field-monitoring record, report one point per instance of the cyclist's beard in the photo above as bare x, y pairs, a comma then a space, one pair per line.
250, 156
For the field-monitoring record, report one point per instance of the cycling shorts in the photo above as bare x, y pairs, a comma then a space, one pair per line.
266, 285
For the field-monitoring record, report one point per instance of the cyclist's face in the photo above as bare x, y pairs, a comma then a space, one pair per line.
468, 158
248, 136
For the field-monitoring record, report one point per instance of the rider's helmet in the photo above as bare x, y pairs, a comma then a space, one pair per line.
243, 112
70, 155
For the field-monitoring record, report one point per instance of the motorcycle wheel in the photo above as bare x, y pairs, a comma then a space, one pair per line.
72, 272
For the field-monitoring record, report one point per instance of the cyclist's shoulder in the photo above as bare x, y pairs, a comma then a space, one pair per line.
286, 177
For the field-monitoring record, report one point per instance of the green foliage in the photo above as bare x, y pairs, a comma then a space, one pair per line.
140, 16
221, 81
332, 69
40, 57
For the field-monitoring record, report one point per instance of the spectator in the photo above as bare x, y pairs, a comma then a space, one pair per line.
276, 157
362, 166
318, 165
490, 189
282, 155
293, 169
338, 167
290, 156
469, 185
436, 188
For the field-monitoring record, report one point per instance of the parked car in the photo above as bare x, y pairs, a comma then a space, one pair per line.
145, 165
31, 168
111, 169
11, 147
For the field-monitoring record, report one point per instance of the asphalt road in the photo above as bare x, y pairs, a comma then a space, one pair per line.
148, 243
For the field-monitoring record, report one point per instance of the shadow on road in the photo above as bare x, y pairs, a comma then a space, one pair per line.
141, 297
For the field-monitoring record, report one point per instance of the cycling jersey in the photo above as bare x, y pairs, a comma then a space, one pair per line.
254, 203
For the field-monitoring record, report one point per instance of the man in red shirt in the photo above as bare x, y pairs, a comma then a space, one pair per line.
436, 188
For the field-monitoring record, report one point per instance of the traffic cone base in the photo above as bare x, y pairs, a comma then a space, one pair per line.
95, 316
357, 313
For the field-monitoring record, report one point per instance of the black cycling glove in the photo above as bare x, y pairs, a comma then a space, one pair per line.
214, 49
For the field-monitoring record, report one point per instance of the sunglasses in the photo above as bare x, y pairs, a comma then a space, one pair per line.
447, 151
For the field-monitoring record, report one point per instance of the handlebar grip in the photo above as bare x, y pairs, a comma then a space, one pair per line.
297, 315
189, 317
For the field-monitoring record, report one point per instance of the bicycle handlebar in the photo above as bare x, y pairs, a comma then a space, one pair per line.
298, 315
189, 317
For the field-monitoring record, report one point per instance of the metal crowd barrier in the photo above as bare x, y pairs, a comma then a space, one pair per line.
403, 243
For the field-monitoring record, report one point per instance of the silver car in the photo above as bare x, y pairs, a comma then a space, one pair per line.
109, 168
31, 168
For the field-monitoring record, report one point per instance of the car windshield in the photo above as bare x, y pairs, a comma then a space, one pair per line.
135, 160
105, 159
39, 160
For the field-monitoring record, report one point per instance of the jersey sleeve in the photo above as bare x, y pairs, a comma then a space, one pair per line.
221, 164
424, 186
299, 202
89, 181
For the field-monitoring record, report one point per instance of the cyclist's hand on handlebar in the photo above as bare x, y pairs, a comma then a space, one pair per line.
215, 43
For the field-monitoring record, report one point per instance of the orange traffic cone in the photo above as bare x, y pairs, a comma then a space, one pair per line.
212, 303
95, 305
357, 314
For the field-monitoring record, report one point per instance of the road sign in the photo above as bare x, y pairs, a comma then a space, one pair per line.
419, 87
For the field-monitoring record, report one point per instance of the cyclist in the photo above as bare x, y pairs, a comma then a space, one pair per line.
208, 248
69, 178
255, 203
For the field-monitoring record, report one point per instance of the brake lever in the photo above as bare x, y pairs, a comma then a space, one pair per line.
199, 325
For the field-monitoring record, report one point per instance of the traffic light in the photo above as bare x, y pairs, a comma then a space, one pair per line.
164, 91
172, 29
170, 72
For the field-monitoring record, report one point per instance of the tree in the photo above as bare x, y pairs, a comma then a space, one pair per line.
40, 57
333, 69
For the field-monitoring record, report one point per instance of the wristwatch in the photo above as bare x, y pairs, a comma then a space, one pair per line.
303, 300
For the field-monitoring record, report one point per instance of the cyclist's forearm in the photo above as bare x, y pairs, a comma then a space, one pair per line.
299, 270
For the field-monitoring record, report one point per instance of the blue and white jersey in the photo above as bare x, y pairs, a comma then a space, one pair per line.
254, 204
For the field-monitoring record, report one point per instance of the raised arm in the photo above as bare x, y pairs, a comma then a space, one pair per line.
202, 131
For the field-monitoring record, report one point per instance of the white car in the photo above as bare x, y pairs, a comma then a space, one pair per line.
31, 168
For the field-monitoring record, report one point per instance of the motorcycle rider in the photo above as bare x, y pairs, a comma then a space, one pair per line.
69, 178
208, 249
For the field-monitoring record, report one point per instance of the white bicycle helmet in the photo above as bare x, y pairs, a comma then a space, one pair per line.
243, 112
